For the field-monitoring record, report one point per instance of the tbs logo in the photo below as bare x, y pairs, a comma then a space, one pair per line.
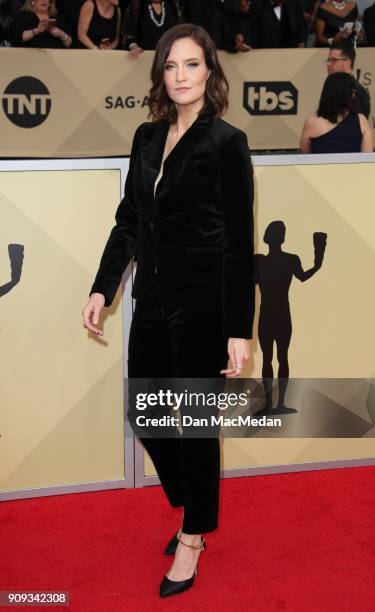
270, 98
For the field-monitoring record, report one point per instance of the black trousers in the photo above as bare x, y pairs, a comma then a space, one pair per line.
182, 342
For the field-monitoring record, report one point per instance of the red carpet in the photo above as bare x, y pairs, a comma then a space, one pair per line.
296, 542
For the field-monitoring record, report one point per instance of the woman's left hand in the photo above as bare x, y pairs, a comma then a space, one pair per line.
57, 33
238, 351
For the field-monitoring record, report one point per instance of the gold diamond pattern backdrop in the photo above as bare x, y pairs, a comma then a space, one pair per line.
61, 393
98, 99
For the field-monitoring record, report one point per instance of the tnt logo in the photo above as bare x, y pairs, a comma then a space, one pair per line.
26, 102
270, 98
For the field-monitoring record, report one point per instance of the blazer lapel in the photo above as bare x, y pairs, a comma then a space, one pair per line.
188, 141
152, 148
153, 144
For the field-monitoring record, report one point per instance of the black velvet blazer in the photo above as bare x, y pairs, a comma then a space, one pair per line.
193, 241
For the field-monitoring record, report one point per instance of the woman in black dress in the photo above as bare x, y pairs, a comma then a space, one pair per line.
99, 24
337, 126
145, 22
331, 19
187, 215
38, 25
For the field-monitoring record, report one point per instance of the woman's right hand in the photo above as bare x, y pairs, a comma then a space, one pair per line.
342, 35
91, 313
42, 26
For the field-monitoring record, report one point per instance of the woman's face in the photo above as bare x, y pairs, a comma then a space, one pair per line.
185, 72
41, 6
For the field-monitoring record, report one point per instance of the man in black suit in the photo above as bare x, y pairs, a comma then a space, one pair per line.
341, 58
278, 23
369, 25
195, 11
238, 27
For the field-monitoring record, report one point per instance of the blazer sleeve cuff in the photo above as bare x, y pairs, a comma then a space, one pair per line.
109, 293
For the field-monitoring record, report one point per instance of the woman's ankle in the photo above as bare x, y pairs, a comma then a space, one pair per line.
191, 538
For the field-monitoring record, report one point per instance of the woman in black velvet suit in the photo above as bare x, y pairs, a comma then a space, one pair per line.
187, 217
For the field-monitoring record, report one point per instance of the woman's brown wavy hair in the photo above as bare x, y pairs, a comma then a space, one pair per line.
216, 94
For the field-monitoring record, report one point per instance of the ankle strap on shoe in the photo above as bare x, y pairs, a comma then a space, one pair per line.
190, 545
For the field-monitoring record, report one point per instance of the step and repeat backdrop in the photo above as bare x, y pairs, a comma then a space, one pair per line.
74, 103
61, 392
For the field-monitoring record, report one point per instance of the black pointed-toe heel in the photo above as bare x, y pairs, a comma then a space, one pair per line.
172, 587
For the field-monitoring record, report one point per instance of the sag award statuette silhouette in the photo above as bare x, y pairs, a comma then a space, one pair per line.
274, 273
15, 252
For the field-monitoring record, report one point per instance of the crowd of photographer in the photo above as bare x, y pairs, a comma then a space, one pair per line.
136, 25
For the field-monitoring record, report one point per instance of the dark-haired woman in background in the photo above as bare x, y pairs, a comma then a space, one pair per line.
337, 126
187, 214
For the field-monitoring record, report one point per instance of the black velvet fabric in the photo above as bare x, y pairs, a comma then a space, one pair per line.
194, 285
193, 241
175, 342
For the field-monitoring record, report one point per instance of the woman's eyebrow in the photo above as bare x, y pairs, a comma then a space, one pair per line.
187, 60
